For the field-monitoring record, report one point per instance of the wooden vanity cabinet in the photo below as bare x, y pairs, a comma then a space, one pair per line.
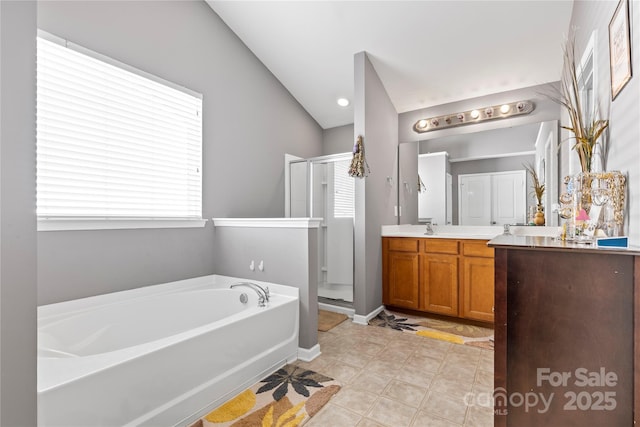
477, 282
400, 264
443, 276
438, 282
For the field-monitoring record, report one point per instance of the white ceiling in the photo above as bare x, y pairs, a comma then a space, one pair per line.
426, 52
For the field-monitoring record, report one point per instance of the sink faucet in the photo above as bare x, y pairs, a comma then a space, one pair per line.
429, 231
263, 293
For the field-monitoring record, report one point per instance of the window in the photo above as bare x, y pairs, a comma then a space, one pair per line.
113, 143
344, 189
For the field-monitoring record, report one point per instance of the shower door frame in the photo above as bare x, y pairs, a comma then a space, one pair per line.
331, 158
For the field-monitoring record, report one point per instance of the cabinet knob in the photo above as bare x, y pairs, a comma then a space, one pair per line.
493, 309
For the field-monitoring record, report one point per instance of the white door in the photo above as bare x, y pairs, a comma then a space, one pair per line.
432, 169
474, 199
509, 198
492, 198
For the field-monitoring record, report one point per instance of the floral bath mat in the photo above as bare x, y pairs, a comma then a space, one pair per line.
289, 397
444, 330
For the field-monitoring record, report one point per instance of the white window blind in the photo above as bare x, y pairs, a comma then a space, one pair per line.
344, 191
113, 143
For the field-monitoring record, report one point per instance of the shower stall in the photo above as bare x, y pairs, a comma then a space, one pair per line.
321, 187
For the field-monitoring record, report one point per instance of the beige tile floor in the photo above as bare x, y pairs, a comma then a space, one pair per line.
395, 379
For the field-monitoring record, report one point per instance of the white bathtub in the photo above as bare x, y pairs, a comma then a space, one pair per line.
159, 355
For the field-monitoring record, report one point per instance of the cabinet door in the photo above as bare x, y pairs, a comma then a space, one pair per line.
478, 288
439, 283
402, 280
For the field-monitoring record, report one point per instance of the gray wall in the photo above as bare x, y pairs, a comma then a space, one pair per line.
249, 121
376, 120
17, 214
624, 111
290, 258
337, 140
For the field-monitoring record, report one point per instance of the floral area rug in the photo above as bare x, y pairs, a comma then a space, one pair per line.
289, 397
444, 330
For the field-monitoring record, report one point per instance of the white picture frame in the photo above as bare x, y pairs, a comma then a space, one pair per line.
620, 48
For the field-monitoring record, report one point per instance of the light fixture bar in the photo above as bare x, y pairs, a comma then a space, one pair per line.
479, 115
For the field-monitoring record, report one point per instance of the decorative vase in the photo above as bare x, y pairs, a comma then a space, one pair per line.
601, 195
538, 218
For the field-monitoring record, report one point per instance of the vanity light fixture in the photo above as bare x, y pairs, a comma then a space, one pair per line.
343, 102
493, 112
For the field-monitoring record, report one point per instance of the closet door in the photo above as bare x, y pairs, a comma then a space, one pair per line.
474, 199
492, 198
509, 198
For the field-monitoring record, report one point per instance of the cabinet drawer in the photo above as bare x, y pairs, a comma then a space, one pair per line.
479, 248
403, 245
440, 246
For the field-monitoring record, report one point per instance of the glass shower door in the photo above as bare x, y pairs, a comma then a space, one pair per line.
322, 188
333, 200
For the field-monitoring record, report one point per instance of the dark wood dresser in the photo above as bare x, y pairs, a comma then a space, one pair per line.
567, 331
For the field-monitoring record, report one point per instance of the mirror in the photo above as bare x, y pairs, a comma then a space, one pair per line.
490, 152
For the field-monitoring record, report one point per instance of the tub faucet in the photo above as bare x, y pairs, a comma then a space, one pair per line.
263, 293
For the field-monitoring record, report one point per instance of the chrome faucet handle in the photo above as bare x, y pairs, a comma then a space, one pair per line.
429, 228
263, 295
266, 293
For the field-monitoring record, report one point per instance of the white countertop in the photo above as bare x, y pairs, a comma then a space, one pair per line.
466, 231
443, 231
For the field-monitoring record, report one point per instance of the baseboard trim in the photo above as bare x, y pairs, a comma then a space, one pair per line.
349, 312
364, 320
308, 354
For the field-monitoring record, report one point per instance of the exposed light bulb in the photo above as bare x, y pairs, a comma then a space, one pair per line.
343, 102
500, 111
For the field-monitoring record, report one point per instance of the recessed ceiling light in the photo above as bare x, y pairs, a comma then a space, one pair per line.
505, 108
343, 102
475, 114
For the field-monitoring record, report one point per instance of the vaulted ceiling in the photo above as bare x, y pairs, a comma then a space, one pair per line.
426, 52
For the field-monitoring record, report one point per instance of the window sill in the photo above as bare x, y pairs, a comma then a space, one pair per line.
74, 224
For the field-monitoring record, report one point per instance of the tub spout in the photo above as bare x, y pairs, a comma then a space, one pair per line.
263, 293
